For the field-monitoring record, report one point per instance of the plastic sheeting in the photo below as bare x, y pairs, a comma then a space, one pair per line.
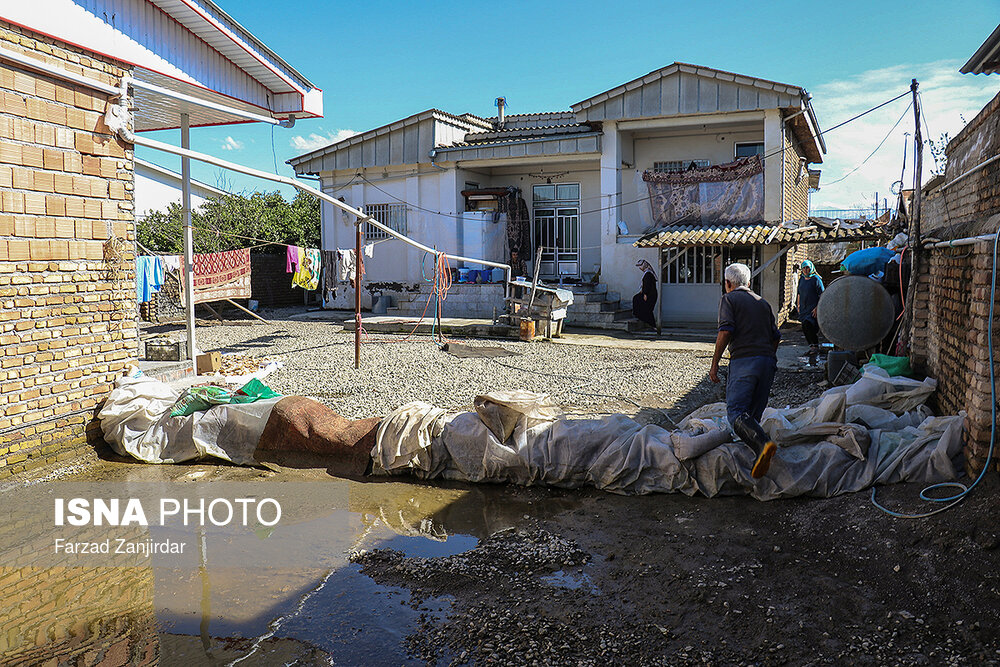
872, 432
136, 422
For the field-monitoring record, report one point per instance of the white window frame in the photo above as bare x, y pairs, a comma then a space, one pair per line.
666, 166
737, 145
392, 215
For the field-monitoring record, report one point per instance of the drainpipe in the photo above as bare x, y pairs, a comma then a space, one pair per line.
433, 155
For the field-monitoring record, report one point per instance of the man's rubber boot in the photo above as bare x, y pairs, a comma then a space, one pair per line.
750, 432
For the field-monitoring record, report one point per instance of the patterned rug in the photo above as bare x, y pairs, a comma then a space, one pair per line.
222, 275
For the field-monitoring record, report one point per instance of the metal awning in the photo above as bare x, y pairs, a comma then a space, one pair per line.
812, 230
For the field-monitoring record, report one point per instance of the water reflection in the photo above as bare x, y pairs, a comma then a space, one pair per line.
242, 595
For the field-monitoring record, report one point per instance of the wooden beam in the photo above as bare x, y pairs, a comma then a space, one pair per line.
248, 311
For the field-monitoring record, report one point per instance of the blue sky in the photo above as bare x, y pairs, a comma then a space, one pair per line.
381, 61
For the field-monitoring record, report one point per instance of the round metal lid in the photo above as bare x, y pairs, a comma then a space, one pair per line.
855, 313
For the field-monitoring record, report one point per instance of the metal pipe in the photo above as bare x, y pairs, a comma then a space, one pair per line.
250, 171
197, 101
970, 171
969, 240
357, 295
57, 72
188, 239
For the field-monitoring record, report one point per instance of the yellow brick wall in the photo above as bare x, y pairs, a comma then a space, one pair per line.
796, 188
67, 283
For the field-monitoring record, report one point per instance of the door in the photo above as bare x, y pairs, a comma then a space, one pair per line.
556, 229
692, 281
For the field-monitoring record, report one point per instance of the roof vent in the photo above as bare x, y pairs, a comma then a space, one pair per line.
501, 104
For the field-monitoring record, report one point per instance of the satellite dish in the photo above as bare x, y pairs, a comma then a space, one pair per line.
855, 313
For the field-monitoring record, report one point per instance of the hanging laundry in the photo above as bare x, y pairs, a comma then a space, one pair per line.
345, 263
148, 277
171, 263
369, 249
329, 259
307, 275
221, 275
292, 255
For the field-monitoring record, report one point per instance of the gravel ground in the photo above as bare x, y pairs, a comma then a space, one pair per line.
318, 362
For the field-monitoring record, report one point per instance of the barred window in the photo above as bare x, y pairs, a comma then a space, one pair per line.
392, 216
677, 165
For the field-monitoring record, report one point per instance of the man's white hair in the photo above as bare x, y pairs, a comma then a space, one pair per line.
738, 275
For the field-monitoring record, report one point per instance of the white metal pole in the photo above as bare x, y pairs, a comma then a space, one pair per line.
188, 237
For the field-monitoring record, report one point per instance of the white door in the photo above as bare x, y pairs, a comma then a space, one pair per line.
556, 228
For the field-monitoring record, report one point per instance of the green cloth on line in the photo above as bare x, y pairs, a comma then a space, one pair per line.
196, 399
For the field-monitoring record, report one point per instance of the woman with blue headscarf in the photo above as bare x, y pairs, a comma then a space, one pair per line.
810, 289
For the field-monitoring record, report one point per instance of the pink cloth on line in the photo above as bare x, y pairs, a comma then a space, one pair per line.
292, 259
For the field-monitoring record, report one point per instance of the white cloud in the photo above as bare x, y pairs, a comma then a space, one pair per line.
946, 97
230, 144
314, 141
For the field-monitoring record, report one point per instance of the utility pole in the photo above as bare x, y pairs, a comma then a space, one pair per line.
918, 147
914, 230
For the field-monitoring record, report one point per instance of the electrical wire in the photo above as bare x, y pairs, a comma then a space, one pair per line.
880, 144
963, 490
647, 198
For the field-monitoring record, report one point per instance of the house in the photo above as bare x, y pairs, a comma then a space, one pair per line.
440, 178
80, 81
957, 224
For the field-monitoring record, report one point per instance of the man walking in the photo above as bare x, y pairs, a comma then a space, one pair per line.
747, 328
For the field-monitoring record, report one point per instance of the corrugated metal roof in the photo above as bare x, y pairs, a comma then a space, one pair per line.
814, 230
526, 132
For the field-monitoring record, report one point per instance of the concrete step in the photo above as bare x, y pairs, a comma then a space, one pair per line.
587, 319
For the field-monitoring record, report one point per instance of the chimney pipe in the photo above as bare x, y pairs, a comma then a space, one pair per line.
501, 103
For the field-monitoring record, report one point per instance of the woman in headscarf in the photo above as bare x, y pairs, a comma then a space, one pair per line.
644, 302
810, 289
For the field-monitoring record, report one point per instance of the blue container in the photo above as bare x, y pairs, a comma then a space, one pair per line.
463, 275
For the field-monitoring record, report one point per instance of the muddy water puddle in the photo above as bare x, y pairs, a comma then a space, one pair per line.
228, 587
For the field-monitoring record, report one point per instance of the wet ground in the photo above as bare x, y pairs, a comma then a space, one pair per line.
397, 573
391, 573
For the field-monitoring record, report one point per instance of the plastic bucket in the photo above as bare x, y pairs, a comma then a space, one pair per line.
497, 275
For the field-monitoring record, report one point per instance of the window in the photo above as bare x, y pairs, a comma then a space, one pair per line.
390, 215
750, 148
677, 165
561, 192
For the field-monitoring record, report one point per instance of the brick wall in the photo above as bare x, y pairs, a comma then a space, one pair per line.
796, 187
966, 206
949, 339
949, 335
67, 284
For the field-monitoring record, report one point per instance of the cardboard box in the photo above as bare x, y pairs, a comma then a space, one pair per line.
209, 362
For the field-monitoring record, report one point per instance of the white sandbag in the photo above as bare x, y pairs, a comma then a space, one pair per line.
692, 445
403, 438
897, 393
136, 422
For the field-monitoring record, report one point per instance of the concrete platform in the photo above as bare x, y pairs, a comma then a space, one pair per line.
452, 326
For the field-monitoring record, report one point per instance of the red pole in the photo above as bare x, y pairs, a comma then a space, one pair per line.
357, 296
